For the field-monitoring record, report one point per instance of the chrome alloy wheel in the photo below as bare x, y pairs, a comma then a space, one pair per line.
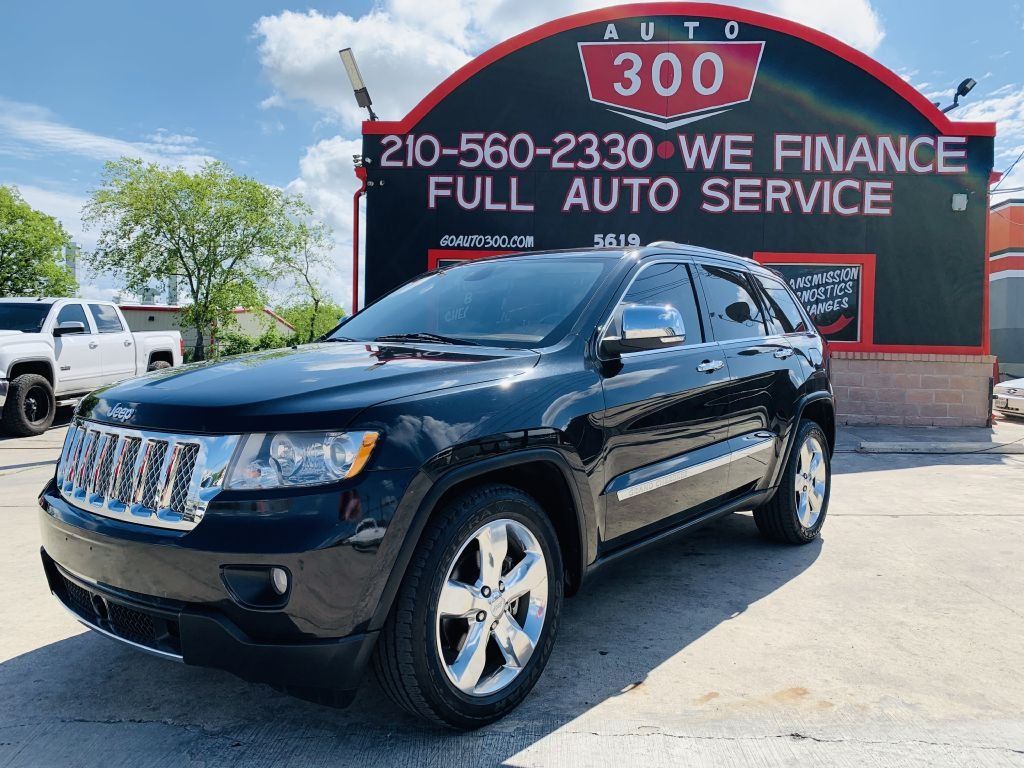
492, 607
811, 476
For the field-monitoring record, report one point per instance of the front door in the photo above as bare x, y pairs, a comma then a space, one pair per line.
117, 345
77, 355
666, 434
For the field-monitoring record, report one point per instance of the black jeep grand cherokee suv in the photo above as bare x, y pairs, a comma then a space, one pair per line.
421, 490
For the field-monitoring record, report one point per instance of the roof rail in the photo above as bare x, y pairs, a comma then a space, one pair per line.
682, 246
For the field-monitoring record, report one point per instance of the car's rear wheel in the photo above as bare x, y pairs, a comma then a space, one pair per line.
796, 513
158, 365
30, 406
475, 618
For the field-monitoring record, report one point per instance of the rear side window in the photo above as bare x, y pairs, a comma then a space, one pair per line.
661, 284
73, 313
106, 318
732, 308
784, 315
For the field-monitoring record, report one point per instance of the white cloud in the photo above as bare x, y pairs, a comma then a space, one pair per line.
27, 130
299, 53
853, 21
328, 182
1005, 106
407, 47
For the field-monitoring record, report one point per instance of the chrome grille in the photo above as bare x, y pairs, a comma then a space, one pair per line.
152, 478
185, 467
123, 475
100, 485
149, 492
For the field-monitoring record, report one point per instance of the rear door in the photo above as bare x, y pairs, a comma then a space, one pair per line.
762, 390
117, 346
666, 434
77, 355
788, 320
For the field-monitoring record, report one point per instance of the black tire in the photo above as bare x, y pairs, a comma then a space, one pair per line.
778, 519
407, 662
158, 365
30, 406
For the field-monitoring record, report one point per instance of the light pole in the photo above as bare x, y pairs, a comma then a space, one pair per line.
965, 87
348, 60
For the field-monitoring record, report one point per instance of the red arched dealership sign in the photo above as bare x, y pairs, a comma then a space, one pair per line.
704, 124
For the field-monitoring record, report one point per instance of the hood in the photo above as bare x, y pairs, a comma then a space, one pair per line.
320, 386
9, 335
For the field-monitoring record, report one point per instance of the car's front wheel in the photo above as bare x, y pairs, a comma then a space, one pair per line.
475, 618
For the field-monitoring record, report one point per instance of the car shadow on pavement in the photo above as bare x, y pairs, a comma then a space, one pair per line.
61, 419
92, 702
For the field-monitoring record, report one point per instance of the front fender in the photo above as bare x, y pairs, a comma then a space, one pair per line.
431, 483
13, 353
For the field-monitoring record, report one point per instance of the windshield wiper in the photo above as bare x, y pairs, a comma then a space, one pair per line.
436, 338
338, 338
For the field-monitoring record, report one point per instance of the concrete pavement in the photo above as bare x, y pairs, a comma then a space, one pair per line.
895, 640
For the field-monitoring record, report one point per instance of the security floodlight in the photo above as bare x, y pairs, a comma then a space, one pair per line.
348, 59
965, 87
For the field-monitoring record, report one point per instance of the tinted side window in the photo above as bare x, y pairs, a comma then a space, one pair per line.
734, 312
73, 313
783, 313
106, 318
661, 284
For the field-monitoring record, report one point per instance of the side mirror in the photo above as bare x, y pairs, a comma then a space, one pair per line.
644, 328
68, 327
739, 312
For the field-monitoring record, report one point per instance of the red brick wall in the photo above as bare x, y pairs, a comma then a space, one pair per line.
912, 389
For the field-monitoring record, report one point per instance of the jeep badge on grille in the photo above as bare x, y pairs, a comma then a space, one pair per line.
121, 413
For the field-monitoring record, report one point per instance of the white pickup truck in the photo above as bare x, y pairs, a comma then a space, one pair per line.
54, 351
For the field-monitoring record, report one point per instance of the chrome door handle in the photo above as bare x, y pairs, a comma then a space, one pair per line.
710, 366
127, 343
783, 353
93, 345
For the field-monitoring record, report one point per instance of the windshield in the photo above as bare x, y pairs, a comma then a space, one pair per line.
519, 303
24, 317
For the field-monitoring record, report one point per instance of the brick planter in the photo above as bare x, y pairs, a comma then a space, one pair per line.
912, 389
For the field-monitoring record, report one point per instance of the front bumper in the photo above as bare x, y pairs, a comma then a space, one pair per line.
206, 639
1011, 404
171, 593
4, 386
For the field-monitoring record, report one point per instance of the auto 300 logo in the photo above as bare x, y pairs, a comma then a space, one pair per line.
670, 83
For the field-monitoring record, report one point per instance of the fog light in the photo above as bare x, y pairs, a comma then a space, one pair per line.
279, 580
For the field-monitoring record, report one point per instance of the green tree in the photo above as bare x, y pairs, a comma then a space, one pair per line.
31, 246
312, 310
226, 237
311, 321
229, 342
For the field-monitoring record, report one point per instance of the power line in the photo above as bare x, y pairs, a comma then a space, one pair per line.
1007, 173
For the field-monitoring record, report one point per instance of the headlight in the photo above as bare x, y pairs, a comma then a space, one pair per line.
288, 459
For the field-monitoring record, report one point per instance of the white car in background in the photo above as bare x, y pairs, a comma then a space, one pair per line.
54, 351
1008, 398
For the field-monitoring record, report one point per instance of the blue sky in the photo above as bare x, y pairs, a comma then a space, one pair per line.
258, 85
